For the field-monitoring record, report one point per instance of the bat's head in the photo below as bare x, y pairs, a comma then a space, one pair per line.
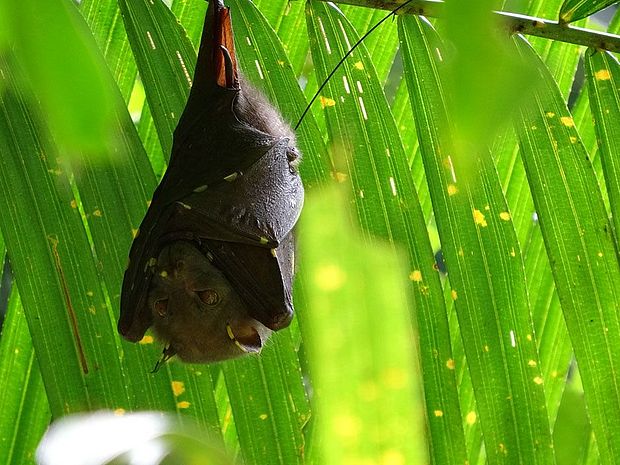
197, 312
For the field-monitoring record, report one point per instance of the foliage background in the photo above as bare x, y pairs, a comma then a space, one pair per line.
413, 147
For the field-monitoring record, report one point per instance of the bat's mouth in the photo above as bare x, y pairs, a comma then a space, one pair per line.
246, 335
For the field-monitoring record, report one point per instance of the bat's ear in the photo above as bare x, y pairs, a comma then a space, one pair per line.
217, 62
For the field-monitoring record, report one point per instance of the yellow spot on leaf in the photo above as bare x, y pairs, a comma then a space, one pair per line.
479, 218
454, 294
461, 253
550, 114
183, 404
471, 418
486, 348
532, 363
73, 204
573, 139
415, 275
567, 121
394, 378
327, 102
505, 216
602, 75
513, 253
450, 364
347, 426
330, 277
340, 177
359, 65
392, 457
438, 413
119, 412
92, 309
98, 213
146, 340
90, 293
263, 416
178, 388
538, 380
452, 189
529, 337
600, 254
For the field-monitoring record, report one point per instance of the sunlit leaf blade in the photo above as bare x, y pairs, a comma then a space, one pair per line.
581, 249
381, 43
603, 72
478, 240
191, 15
368, 401
372, 164
106, 25
23, 402
165, 58
269, 404
53, 263
554, 345
287, 19
572, 10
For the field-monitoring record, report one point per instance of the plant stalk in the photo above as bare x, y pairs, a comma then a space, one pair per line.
512, 22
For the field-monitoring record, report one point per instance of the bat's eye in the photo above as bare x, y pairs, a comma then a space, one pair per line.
209, 296
161, 307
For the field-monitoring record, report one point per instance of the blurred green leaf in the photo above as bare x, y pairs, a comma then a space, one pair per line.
360, 342
77, 102
484, 78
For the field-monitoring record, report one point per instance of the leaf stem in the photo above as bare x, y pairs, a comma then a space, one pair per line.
512, 22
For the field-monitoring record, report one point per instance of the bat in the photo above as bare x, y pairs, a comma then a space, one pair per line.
211, 269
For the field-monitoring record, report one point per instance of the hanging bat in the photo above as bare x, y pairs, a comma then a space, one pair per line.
211, 269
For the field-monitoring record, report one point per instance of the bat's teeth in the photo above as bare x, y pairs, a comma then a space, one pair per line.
232, 337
